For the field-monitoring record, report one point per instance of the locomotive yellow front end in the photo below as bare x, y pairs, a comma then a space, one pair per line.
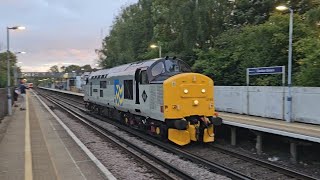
189, 108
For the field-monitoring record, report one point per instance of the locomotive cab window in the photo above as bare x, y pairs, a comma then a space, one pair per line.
128, 89
144, 77
176, 66
158, 69
103, 84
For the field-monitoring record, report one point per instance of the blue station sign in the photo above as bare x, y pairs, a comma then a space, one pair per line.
266, 70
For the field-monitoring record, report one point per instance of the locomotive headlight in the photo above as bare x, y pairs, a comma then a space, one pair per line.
186, 91
203, 90
195, 102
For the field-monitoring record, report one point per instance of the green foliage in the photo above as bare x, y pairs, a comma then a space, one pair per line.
70, 68
218, 38
252, 46
309, 73
3, 68
313, 18
54, 69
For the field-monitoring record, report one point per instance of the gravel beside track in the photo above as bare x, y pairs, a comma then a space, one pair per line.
102, 153
253, 169
118, 162
250, 169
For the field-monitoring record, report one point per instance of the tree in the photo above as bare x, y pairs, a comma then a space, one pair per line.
71, 68
252, 46
313, 18
3, 68
54, 69
309, 71
217, 37
86, 68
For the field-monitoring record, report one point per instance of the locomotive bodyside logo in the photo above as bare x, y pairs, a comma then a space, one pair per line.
118, 92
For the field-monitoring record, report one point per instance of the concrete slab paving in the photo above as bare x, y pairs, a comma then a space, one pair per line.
12, 148
54, 154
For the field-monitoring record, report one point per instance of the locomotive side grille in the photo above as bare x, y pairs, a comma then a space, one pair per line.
153, 94
156, 96
159, 95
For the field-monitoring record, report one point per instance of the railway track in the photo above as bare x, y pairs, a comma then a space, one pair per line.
123, 144
266, 164
254, 168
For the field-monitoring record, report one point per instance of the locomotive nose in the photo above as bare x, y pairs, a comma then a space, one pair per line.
188, 94
188, 100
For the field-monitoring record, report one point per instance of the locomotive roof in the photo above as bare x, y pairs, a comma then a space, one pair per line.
126, 69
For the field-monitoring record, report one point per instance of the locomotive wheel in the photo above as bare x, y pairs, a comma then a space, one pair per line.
126, 121
158, 131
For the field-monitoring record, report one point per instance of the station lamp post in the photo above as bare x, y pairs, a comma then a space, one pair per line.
289, 98
157, 46
8, 66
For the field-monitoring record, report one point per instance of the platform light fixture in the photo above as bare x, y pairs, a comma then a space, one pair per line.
8, 66
289, 98
282, 8
153, 46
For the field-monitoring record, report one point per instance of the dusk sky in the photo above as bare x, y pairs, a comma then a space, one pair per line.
58, 32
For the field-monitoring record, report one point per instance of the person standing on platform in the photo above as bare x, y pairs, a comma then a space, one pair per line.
15, 96
23, 88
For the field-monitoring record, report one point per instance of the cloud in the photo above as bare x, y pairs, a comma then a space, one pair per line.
58, 31
60, 57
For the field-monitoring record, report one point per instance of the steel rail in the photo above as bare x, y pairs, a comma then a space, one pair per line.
268, 165
214, 166
106, 133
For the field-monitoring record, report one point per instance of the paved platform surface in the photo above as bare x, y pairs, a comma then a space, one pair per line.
36, 146
294, 129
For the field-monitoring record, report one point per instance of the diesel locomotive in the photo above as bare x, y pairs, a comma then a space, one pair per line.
159, 96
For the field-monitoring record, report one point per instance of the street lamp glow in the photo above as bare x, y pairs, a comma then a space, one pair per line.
157, 46
153, 46
17, 27
20, 52
21, 27
282, 8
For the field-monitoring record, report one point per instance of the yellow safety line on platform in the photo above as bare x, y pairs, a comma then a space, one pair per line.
28, 156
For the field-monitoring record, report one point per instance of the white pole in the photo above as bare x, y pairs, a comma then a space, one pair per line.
8, 74
289, 99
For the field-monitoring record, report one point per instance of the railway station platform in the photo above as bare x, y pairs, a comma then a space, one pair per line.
296, 131
36, 145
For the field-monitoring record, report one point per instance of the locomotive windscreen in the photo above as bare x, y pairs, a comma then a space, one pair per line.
164, 69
